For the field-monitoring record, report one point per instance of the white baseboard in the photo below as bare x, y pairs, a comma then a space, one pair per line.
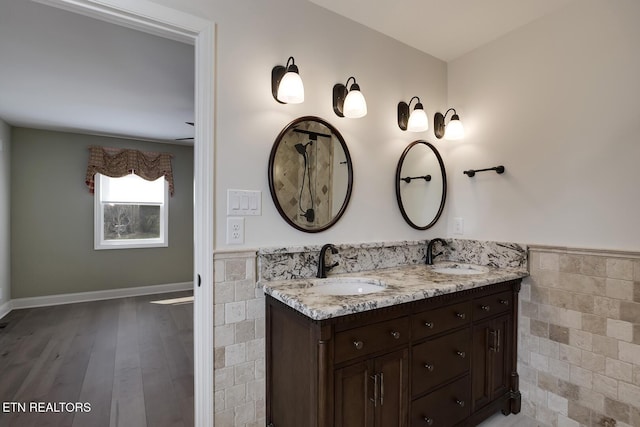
5, 309
47, 300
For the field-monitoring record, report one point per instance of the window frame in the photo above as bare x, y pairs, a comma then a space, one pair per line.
100, 243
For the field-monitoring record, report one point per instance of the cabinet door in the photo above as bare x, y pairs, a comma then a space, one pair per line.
392, 371
490, 366
354, 395
373, 393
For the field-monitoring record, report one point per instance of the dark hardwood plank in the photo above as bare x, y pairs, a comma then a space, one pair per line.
98, 380
161, 401
127, 402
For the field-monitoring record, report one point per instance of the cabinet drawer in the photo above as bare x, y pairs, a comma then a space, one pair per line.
432, 322
492, 304
439, 360
444, 407
368, 339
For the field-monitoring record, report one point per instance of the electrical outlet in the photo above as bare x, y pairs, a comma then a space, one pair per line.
458, 226
235, 230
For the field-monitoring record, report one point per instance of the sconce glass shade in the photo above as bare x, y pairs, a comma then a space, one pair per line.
418, 120
454, 129
355, 106
291, 89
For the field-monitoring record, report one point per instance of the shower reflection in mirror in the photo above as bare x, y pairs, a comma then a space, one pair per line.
310, 174
301, 148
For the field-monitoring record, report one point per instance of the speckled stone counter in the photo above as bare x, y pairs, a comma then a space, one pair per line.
402, 284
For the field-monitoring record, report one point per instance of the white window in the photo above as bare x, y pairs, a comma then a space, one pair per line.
130, 212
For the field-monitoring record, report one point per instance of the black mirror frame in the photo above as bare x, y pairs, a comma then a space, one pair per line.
270, 172
398, 179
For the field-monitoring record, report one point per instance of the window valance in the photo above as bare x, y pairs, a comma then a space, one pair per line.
117, 162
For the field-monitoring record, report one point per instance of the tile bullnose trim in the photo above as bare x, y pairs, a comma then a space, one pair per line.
234, 253
611, 253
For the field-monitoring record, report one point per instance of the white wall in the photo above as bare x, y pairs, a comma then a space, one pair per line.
5, 229
252, 37
558, 104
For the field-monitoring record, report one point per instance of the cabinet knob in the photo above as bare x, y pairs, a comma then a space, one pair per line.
485, 307
395, 334
359, 345
462, 354
428, 325
504, 301
460, 403
429, 367
461, 315
428, 420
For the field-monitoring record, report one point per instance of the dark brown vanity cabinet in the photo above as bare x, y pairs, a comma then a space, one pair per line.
445, 361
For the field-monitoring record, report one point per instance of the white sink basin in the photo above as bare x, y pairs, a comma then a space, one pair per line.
459, 269
347, 286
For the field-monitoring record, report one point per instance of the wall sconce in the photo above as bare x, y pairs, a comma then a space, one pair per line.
454, 130
417, 121
349, 103
286, 84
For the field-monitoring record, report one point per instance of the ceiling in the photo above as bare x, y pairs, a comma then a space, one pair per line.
446, 29
68, 72
63, 71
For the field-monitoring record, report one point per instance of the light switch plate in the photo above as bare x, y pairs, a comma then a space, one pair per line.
244, 202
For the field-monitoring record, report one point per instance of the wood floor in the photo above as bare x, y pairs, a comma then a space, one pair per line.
131, 359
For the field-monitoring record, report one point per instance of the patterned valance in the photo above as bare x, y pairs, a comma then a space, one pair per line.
117, 162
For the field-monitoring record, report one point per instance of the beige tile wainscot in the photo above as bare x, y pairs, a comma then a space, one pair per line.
239, 341
579, 341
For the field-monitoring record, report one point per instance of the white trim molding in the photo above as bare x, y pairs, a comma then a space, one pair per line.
43, 301
5, 308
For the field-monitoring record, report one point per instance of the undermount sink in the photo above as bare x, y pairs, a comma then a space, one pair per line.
459, 269
347, 286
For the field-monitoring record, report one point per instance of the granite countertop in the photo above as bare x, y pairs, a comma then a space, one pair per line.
402, 284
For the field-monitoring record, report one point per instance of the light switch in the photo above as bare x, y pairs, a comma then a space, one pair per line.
235, 202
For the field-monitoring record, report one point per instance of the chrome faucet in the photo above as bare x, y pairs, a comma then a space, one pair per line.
430, 255
322, 267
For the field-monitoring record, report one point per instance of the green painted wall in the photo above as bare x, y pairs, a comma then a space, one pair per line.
52, 220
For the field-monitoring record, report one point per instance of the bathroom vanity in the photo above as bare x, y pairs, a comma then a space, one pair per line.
431, 349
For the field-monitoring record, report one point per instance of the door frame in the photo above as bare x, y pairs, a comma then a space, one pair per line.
156, 19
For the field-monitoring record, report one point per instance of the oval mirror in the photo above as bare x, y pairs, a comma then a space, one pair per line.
421, 185
310, 174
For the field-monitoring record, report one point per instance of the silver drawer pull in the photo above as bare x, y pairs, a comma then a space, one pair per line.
359, 345
428, 420
485, 307
429, 367
504, 302
462, 354
460, 402
428, 325
461, 315
395, 334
